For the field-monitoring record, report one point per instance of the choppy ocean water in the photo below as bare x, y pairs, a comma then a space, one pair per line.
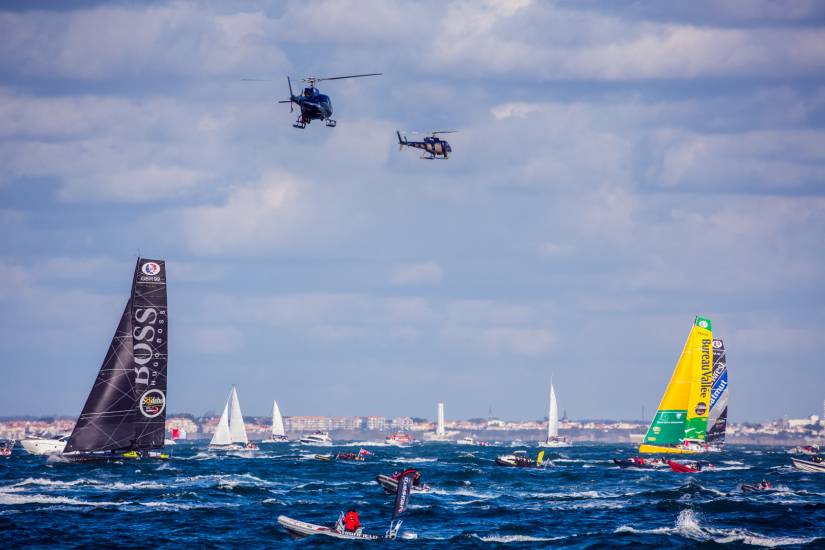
200, 499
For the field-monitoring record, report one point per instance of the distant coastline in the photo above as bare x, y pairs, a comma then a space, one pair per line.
780, 433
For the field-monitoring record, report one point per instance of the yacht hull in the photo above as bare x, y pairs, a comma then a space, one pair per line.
659, 449
808, 465
43, 446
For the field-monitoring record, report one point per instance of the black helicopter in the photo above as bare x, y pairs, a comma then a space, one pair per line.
432, 145
313, 104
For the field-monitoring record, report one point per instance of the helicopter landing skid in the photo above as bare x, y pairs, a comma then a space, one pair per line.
331, 123
300, 125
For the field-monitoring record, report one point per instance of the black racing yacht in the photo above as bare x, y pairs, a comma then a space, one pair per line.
125, 414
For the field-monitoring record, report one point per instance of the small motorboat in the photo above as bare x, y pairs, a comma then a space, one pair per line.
810, 450
299, 529
519, 459
43, 445
5, 450
356, 457
390, 484
640, 462
276, 439
688, 467
325, 458
815, 465
399, 439
763, 485
317, 438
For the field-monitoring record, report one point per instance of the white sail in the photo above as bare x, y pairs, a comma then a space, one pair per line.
277, 421
221, 435
440, 427
553, 415
237, 430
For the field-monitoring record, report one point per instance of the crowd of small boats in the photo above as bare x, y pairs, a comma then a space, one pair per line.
124, 415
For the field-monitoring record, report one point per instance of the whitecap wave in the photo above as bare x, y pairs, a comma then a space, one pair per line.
465, 493
17, 499
515, 538
572, 495
688, 526
56, 483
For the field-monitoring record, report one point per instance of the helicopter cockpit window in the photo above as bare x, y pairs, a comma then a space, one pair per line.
307, 92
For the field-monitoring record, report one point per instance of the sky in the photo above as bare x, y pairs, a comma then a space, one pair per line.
618, 169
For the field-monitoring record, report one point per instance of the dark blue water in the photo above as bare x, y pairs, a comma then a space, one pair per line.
198, 499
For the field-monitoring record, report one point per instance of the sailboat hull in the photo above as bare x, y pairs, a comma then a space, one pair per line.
112, 456
554, 443
276, 439
658, 449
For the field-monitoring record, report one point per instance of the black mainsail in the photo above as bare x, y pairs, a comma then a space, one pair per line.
106, 421
126, 409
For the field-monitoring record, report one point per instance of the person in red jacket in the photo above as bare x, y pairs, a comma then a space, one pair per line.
351, 522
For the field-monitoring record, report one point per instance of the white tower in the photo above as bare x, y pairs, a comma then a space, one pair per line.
440, 428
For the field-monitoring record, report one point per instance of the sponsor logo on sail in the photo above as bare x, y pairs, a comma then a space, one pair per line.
701, 408
150, 268
702, 323
152, 403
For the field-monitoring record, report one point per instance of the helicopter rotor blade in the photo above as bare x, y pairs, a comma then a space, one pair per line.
445, 132
342, 77
255, 80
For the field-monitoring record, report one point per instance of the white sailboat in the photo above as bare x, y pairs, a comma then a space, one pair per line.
278, 432
553, 437
230, 433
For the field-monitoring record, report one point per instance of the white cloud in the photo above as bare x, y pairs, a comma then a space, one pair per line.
179, 38
251, 218
138, 184
427, 273
202, 339
526, 341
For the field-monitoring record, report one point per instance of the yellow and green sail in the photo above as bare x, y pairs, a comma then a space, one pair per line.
683, 411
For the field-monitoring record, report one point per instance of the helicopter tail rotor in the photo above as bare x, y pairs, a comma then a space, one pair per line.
289, 83
401, 142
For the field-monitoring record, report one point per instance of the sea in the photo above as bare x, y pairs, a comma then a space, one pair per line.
200, 499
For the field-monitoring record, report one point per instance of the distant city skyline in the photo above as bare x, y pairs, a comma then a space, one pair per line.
612, 177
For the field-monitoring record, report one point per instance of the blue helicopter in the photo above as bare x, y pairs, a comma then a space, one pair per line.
313, 104
433, 146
